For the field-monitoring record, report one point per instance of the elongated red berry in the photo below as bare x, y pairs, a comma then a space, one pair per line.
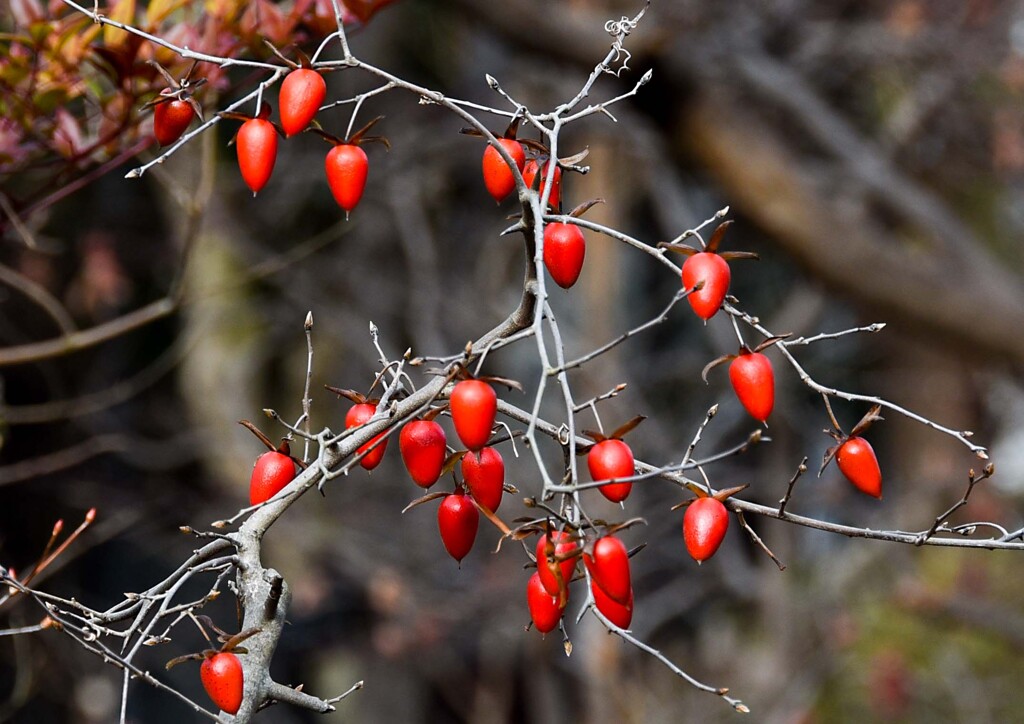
273, 471
530, 171
620, 614
611, 459
484, 474
357, 415
753, 380
563, 544
256, 146
608, 564
713, 270
457, 521
564, 250
170, 119
498, 176
347, 166
704, 526
858, 463
302, 92
222, 679
422, 445
544, 608
474, 405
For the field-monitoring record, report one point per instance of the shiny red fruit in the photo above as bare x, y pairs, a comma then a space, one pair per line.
222, 678
611, 459
357, 415
272, 472
498, 176
858, 463
170, 119
620, 614
704, 526
530, 171
713, 270
563, 545
422, 445
544, 608
256, 145
484, 474
473, 405
302, 92
753, 380
346, 167
609, 567
564, 249
457, 520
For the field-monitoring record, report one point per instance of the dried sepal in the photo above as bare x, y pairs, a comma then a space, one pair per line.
625, 428
717, 235
865, 422
584, 207
424, 499
715, 363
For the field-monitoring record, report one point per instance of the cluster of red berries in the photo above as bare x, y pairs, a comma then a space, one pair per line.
302, 92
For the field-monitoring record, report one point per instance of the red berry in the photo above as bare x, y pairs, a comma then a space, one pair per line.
620, 614
302, 92
457, 520
357, 415
754, 382
422, 444
713, 270
563, 544
484, 473
256, 145
473, 406
704, 526
530, 171
272, 472
564, 249
611, 459
221, 675
609, 567
858, 463
498, 176
346, 167
544, 608
170, 119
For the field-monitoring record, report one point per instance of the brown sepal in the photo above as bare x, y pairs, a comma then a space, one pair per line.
865, 422
425, 499
772, 340
733, 255
684, 249
351, 395
627, 427
714, 363
584, 207
259, 434
490, 515
509, 383
716, 236
361, 137
451, 461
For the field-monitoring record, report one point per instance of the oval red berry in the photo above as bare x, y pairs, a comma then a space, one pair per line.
713, 270
273, 471
611, 459
474, 405
704, 526
222, 679
484, 474
858, 463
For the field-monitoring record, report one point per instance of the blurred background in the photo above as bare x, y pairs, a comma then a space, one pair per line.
871, 152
